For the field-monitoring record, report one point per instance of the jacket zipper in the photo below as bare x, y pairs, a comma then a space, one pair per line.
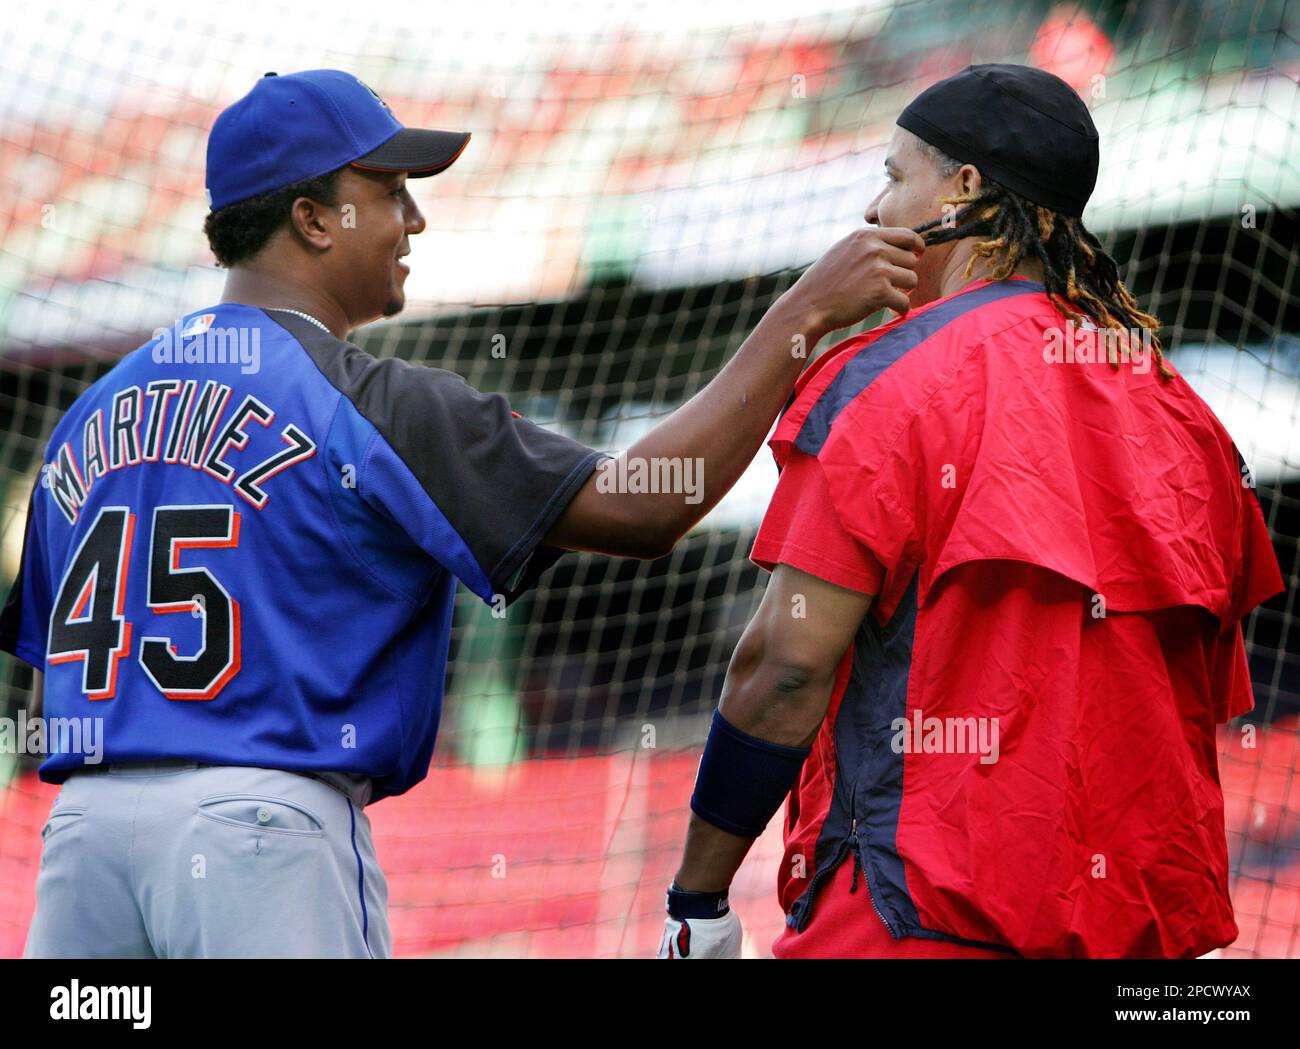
807, 899
858, 865
850, 843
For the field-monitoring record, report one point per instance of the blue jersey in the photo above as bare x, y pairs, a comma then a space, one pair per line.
245, 540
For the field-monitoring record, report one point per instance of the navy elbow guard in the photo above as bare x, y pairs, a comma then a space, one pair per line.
742, 780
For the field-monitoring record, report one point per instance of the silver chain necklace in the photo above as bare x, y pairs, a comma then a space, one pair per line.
304, 316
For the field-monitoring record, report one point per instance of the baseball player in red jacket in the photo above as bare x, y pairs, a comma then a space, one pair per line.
1010, 552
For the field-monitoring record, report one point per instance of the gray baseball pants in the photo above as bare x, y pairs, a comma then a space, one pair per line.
180, 860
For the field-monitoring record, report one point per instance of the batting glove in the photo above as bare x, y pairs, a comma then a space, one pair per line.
700, 925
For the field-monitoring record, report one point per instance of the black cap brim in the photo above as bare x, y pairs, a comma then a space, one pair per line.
419, 152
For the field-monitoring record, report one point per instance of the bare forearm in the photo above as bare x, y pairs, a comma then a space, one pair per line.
778, 689
704, 446
722, 427
772, 705
711, 857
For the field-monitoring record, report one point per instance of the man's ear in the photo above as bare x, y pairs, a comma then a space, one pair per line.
969, 180
311, 223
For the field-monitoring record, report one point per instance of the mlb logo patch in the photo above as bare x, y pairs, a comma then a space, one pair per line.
198, 325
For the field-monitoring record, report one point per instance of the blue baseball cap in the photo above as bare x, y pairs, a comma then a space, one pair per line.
301, 125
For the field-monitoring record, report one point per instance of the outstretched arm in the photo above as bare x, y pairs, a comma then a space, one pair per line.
724, 424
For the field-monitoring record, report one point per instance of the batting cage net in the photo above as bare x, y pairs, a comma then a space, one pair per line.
642, 182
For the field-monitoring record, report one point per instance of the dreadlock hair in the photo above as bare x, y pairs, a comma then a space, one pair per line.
1081, 279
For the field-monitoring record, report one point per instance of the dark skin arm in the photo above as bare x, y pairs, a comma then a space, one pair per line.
346, 275
778, 688
725, 423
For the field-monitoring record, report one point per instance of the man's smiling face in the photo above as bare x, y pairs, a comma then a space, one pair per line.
372, 240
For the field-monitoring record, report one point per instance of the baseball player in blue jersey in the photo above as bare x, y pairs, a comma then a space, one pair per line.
242, 552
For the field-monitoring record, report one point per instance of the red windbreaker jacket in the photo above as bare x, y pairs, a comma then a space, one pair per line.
1020, 749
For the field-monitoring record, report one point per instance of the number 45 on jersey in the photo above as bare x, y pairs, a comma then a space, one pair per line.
89, 622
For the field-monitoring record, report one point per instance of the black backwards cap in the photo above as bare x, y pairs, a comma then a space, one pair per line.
1021, 127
